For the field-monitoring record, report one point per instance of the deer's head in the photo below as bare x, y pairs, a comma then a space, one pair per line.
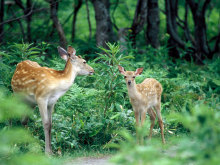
78, 62
130, 76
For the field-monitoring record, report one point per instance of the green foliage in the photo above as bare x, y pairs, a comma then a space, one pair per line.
96, 108
200, 147
17, 52
17, 146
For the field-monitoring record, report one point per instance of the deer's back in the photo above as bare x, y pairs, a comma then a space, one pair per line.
29, 77
150, 86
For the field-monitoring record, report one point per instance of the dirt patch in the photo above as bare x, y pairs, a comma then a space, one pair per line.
90, 161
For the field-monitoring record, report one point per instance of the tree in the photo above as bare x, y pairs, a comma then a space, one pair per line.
104, 31
1, 20
139, 19
201, 45
28, 12
171, 23
77, 6
53, 12
153, 21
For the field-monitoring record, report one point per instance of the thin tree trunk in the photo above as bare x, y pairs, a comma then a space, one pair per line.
139, 20
54, 17
104, 31
88, 18
76, 9
198, 11
153, 21
1, 20
174, 40
28, 9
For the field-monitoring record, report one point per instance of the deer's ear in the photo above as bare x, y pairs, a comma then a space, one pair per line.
121, 69
63, 53
138, 71
71, 51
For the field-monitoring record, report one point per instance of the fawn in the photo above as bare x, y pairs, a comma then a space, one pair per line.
44, 86
144, 97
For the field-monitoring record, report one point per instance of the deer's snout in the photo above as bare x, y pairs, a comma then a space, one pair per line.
91, 72
129, 82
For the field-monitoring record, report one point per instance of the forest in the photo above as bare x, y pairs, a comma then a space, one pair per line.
176, 42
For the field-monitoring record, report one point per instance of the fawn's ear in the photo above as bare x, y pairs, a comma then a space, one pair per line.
138, 71
71, 51
121, 69
63, 53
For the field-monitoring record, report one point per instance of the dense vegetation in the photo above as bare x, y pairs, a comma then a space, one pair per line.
95, 114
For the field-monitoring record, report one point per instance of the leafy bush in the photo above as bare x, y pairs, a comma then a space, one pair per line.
17, 146
201, 146
97, 107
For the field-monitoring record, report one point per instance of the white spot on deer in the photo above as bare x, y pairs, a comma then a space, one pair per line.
24, 71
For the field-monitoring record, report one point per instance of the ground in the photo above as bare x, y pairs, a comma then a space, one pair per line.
90, 161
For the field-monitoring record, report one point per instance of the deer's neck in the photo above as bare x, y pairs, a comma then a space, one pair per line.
132, 91
69, 72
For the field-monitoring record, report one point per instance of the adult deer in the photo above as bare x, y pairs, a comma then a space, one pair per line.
144, 97
44, 86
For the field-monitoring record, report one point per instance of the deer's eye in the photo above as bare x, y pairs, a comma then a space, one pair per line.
125, 77
84, 62
133, 76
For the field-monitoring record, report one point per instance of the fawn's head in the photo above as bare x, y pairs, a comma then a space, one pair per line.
129, 76
77, 61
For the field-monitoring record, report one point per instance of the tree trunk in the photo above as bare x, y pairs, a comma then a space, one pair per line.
54, 17
76, 9
1, 20
198, 11
104, 31
88, 19
153, 21
174, 40
139, 20
28, 9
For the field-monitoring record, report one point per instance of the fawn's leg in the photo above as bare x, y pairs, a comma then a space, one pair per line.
137, 117
158, 111
152, 115
143, 117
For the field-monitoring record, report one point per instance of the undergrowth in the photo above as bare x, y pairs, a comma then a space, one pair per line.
96, 108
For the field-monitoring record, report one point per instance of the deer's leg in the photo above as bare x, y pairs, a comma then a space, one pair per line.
143, 117
158, 111
137, 117
152, 115
42, 104
50, 111
25, 118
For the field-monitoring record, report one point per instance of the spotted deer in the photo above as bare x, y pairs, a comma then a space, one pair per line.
44, 86
144, 97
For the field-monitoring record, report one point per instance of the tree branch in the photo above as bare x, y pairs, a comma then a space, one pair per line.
205, 5
76, 9
112, 15
173, 34
18, 18
19, 3
89, 22
216, 47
